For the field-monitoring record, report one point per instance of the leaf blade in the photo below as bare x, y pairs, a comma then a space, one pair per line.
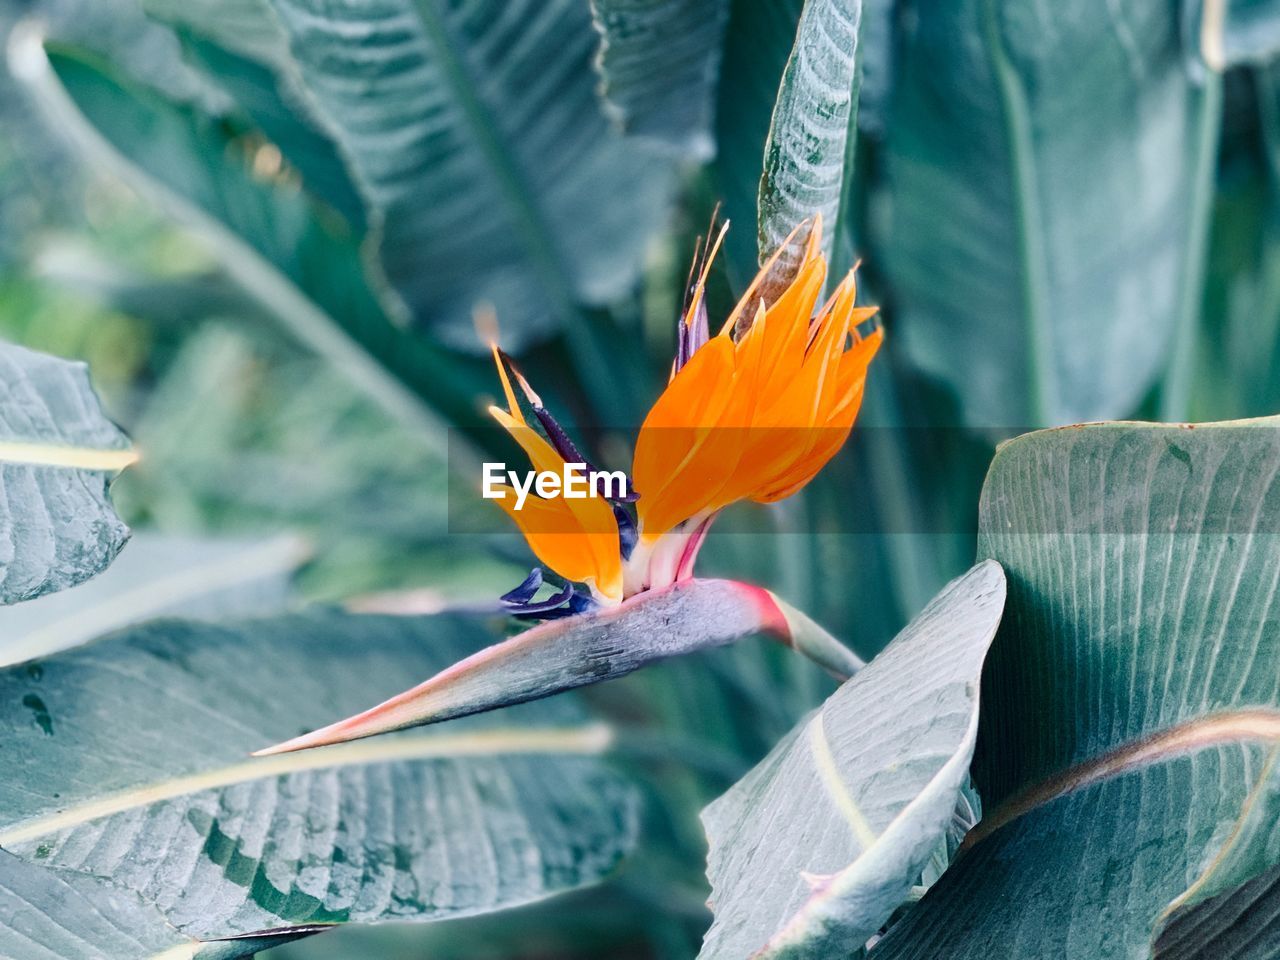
659, 61
1137, 664
58, 452
1039, 302
815, 848
808, 157
139, 775
481, 165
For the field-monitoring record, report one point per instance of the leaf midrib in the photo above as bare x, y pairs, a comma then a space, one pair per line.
1236, 726
538, 237
585, 740
35, 454
1033, 260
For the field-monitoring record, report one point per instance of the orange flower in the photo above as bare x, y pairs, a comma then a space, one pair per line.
752, 413
577, 538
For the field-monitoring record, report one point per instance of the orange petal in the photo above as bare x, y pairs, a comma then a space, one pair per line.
832, 430
579, 544
829, 441
680, 452
577, 538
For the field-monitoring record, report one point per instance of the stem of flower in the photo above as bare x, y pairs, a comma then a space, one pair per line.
807, 637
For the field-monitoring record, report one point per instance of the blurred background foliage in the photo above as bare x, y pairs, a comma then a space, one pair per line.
268, 243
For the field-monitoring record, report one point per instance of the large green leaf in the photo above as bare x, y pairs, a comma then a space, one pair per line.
1238, 351
58, 451
808, 160
96, 921
305, 269
156, 575
474, 132
658, 63
1049, 169
1131, 714
279, 112
127, 761
246, 27
876, 58
816, 847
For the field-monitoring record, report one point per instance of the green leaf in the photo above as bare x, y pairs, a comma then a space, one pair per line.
58, 452
241, 47
1130, 725
1238, 351
1225, 927
245, 27
876, 56
127, 761
658, 63
95, 920
269, 236
1042, 259
816, 847
808, 159
278, 111
474, 133
154, 575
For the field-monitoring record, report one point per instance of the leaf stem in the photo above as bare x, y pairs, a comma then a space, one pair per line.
1034, 261
807, 637
1175, 398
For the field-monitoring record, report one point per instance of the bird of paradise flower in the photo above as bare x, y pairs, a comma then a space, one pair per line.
751, 413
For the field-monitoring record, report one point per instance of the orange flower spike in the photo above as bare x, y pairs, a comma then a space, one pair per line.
681, 450
789, 315
751, 413
751, 467
577, 538
836, 417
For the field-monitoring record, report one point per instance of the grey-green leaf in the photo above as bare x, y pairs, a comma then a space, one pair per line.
58, 452
474, 132
269, 236
54, 914
816, 847
271, 101
808, 160
1048, 172
157, 574
247, 27
1130, 732
659, 61
128, 760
